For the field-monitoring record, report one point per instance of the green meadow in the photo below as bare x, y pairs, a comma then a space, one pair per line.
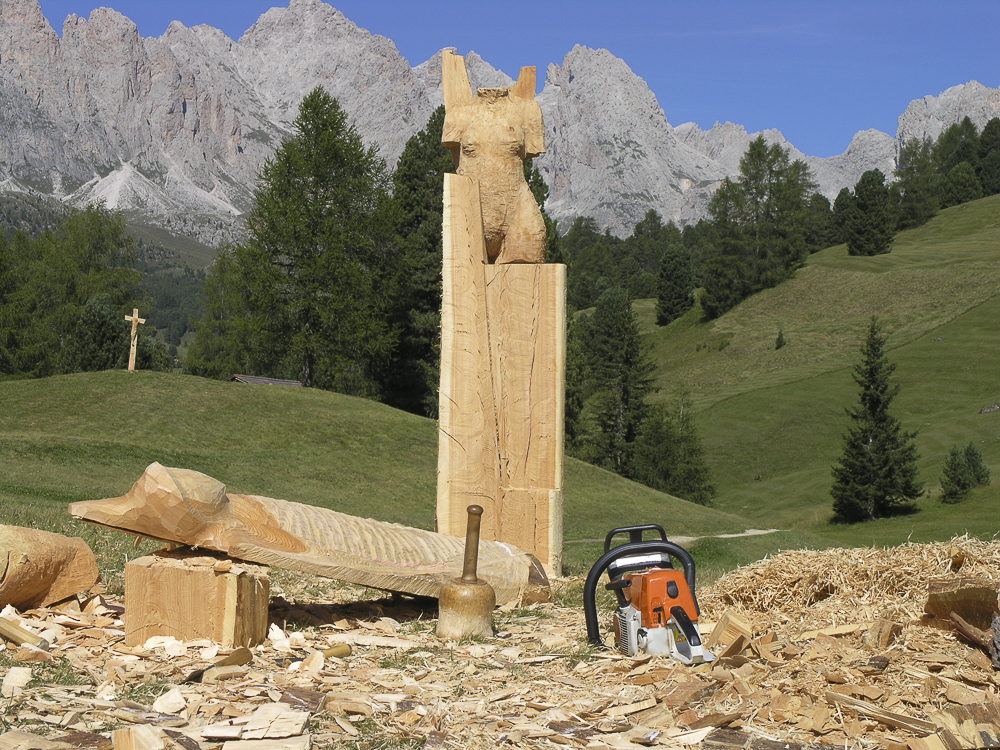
771, 420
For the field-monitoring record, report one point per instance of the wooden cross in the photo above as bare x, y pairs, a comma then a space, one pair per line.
135, 320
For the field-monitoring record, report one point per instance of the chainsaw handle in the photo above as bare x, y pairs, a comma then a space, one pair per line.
634, 534
623, 550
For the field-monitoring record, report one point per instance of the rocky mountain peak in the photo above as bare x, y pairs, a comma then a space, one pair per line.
177, 127
927, 118
610, 152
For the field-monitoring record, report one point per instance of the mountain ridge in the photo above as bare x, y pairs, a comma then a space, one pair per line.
176, 128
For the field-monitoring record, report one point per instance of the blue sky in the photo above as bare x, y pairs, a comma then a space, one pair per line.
817, 70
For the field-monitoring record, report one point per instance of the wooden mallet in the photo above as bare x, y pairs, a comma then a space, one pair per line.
466, 604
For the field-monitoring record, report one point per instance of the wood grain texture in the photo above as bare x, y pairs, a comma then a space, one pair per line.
38, 568
187, 507
182, 594
490, 136
503, 363
468, 473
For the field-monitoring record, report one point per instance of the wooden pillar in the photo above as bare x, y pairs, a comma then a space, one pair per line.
503, 363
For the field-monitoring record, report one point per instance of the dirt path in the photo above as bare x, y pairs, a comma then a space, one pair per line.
689, 539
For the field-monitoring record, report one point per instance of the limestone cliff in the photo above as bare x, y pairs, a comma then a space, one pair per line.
176, 128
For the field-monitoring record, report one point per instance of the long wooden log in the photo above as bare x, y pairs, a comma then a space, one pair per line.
187, 507
38, 568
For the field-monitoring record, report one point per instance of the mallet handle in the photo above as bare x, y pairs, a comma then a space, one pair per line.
472, 544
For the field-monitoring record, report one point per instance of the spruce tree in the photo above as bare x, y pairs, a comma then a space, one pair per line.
675, 291
978, 472
869, 228
100, 340
916, 185
960, 186
307, 291
877, 475
956, 481
820, 230
621, 370
668, 456
418, 183
843, 209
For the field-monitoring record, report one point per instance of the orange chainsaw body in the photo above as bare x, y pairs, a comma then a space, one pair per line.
655, 590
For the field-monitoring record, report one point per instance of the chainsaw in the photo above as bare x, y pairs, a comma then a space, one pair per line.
657, 608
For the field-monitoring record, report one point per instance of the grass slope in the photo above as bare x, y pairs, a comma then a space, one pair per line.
87, 436
772, 420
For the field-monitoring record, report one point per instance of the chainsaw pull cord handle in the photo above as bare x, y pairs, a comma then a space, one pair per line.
594, 577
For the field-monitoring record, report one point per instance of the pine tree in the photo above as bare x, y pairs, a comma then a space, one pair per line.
307, 290
668, 456
758, 226
877, 475
89, 253
675, 291
418, 183
621, 370
960, 186
869, 228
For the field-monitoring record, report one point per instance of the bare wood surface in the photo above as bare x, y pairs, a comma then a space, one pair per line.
468, 473
891, 718
181, 594
38, 568
501, 419
490, 135
179, 505
973, 599
525, 85
135, 320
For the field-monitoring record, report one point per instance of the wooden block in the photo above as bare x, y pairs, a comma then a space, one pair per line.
882, 634
41, 568
974, 599
726, 630
170, 593
139, 737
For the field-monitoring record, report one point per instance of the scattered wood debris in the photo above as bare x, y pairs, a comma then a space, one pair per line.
823, 648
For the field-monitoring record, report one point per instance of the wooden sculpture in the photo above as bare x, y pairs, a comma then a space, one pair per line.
503, 327
187, 507
38, 568
490, 136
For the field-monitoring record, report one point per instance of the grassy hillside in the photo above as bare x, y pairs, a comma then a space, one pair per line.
772, 420
87, 436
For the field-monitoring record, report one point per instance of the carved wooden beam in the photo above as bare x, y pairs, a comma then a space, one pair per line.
187, 507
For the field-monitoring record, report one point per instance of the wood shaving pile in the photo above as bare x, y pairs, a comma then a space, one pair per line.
810, 676
889, 582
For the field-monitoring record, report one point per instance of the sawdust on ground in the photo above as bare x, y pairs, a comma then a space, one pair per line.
538, 683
